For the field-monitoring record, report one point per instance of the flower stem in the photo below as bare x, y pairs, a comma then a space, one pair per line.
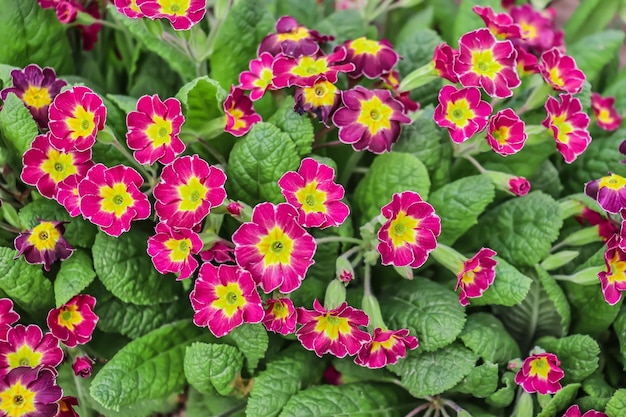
331, 239
150, 175
214, 152
474, 162
352, 163
367, 280
326, 144
418, 409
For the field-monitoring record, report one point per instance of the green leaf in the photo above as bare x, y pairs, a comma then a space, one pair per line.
295, 370
25, 283
351, 372
546, 179
306, 12
201, 100
459, 204
257, 162
431, 373
343, 25
212, 367
199, 405
616, 406
252, 340
620, 330
579, 355
593, 52
591, 314
150, 367
238, 38
589, 17
75, 274
596, 386
124, 103
359, 399
485, 335
298, 127
125, 269
560, 400
509, 287
557, 296
17, 126
467, 20
481, 382
523, 229
590, 402
504, 396
390, 173
429, 310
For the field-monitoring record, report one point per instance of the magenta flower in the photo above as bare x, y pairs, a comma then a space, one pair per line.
574, 411
313, 191
28, 346
172, 250
322, 99
540, 373
606, 227
153, 130
569, 126
336, 331
280, 316
292, 39
443, 59
307, 70
76, 116
485, 62
82, 366
505, 132
221, 252
43, 244
561, 72
260, 77
462, 112
74, 322
613, 280
370, 119
501, 25
519, 186
538, 31
128, 8
476, 275
527, 63
385, 348
371, 58
609, 192
188, 189
45, 167
223, 298
66, 407
274, 247
240, 115
27, 392
182, 14
110, 198
66, 12
410, 232
37, 88
67, 194
605, 112
8, 316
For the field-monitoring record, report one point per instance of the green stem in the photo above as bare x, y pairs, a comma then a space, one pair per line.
367, 281
352, 162
474, 162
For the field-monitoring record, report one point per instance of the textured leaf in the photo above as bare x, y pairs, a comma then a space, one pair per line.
17, 126
124, 103
430, 311
481, 382
75, 275
390, 173
211, 367
560, 401
589, 402
485, 335
579, 355
201, 100
25, 284
557, 296
459, 204
509, 287
351, 372
257, 162
616, 406
591, 314
431, 373
125, 269
252, 341
503, 397
593, 52
150, 367
596, 386
546, 179
298, 127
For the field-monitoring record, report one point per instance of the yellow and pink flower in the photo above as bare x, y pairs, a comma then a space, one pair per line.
44, 244
443, 59
560, 71
8, 316
173, 250
313, 191
613, 280
153, 130
569, 125
333, 331
606, 226
110, 198
223, 298
292, 39
66, 407
128, 8
76, 116
274, 247
307, 70
240, 114
260, 78
371, 58
609, 192
182, 14
501, 25
220, 252
606, 114
188, 189
476, 275
385, 348
538, 31
321, 99
410, 232
27, 392
73, 323
505, 132
280, 316
462, 112
67, 194
574, 411
540, 373
28, 346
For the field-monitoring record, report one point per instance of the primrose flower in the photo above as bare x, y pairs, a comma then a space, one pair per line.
67, 194
519, 186
260, 77
307, 70
188, 189
322, 98
223, 298
609, 192
43, 244
501, 25
172, 250
335, 331
540, 373
462, 112
280, 316
538, 31
604, 110
128, 8
66, 12
370, 58
385, 348
27, 392
485, 62
574, 411
370, 119
37, 88
82, 366
561, 72
505, 132
391, 81
613, 280
110, 198
66, 407
476, 275
527, 63
74, 322
292, 39
8, 316
221, 252
569, 126
274, 247
153, 130
443, 59
314, 193
410, 232
182, 14
240, 115
45, 167
28, 346
76, 116
606, 227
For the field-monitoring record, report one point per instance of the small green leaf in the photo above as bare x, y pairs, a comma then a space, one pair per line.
17, 126
201, 100
593, 52
560, 400
591, 402
509, 287
390, 173
75, 275
616, 406
430, 311
481, 382
298, 127
125, 269
124, 103
504, 396
485, 335
211, 367
252, 340
578, 354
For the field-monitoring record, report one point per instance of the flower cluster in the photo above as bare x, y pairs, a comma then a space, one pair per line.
67, 12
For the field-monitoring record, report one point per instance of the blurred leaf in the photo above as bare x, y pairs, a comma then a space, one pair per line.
560, 401
467, 20
594, 51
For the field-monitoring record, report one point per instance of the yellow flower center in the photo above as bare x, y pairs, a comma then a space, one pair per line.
501, 134
375, 115
365, 46
387, 344
24, 356
564, 127
174, 7
604, 116
134, 7
309, 66
311, 198
459, 112
297, 35
191, 194
69, 316
237, 115
402, 229
280, 311
332, 326
469, 276
229, 298
275, 247
539, 367
44, 236
115, 199
36, 97
179, 249
160, 131
618, 270
265, 79
555, 76
321, 94
613, 181
59, 165
17, 400
529, 31
484, 64
82, 124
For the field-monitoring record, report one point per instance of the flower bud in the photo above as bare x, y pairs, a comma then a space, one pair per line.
582, 237
335, 294
510, 183
372, 309
524, 406
82, 366
344, 271
557, 260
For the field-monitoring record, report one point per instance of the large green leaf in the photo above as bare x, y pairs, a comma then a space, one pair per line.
481, 382
620, 331
589, 17
201, 100
578, 354
297, 126
591, 314
211, 367
560, 401
593, 52
504, 396
199, 405
75, 275
509, 287
485, 335
17, 126
616, 406
252, 340
343, 25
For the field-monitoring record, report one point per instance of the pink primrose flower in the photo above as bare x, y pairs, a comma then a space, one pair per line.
66, 407
613, 280
385, 348
609, 192
606, 114
307, 70
172, 250
540, 373
462, 112
182, 14
569, 126
240, 114
73, 323
44, 244
67, 194
128, 8
538, 31
322, 99
371, 58
27, 392
505, 132
82, 366
519, 186
476, 275
280, 316
260, 77
220, 253
8, 316
501, 25
561, 72
28, 346
292, 39
574, 411
444, 57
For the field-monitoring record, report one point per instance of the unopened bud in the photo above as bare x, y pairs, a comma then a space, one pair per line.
335, 294
344, 270
583, 237
405, 272
372, 309
524, 406
557, 260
